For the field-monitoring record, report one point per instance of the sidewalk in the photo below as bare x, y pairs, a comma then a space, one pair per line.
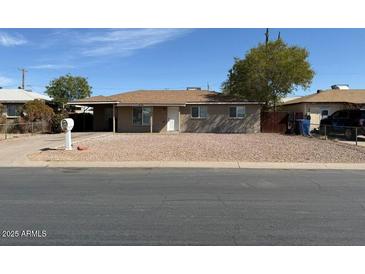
189, 164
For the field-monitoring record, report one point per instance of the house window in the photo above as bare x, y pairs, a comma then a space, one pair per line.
237, 112
324, 113
199, 112
142, 116
13, 110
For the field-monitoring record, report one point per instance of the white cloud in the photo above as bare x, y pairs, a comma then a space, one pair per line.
51, 66
125, 42
5, 81
8, 40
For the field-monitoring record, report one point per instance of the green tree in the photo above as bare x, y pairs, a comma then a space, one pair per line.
37, 110
269, 72
67, 88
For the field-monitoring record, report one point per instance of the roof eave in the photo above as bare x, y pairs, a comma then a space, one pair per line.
14, 101
225, 103
92, 102
322, 102
150, 104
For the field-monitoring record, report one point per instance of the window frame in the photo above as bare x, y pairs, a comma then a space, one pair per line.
236, 112
17, 110
142, 124
321, 113
199, 112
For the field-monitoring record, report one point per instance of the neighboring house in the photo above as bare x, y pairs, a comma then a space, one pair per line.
14, 99
83, 109
325, 102
173, 111
286, 99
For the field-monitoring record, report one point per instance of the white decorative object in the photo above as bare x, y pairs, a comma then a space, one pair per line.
67, 125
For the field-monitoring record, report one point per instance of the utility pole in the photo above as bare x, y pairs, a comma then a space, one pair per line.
24, 71
208, 86
267, 36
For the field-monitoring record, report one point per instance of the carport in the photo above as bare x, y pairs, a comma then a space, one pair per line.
104, 113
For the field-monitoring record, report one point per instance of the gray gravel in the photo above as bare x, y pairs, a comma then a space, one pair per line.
261, 147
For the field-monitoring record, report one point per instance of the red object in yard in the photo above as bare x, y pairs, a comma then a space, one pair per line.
82, 147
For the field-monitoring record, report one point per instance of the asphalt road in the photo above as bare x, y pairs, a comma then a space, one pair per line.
71, 206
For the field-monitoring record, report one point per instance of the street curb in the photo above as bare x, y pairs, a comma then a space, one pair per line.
188, 164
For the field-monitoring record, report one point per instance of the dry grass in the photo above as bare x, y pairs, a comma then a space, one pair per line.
260, 147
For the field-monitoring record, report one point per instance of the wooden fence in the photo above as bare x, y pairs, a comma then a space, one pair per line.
279, 121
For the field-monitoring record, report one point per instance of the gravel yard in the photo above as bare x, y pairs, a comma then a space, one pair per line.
262, 147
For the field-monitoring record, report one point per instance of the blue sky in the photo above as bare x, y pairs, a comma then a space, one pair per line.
116, 60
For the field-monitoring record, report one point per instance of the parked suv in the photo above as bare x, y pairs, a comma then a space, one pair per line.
345, 121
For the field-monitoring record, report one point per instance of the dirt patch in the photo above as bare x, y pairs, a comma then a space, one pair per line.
261, 147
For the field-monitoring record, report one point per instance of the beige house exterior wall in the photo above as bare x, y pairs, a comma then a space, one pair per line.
218, 120
314, 109
159, 119
125, 120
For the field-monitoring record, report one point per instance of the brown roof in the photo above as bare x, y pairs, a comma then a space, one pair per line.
165, 97
99, 98
350, 96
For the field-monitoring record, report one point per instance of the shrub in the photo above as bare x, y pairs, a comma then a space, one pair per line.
37, 110
2, 117
56, 122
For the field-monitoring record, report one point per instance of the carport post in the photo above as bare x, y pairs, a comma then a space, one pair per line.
356, 135
113, 118
151, 121
325, 132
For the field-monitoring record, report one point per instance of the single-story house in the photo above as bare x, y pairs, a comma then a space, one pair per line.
14, 99
286, 99
325, 102
191, 110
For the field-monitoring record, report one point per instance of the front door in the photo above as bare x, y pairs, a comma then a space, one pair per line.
172, 118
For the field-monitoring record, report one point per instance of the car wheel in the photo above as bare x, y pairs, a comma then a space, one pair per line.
349, 134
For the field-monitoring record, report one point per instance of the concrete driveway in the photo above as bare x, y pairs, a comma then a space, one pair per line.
15, 151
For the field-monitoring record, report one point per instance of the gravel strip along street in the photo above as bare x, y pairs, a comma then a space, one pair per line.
261, 147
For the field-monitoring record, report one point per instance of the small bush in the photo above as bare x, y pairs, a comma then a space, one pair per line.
37, 110
2, 118
56, 122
